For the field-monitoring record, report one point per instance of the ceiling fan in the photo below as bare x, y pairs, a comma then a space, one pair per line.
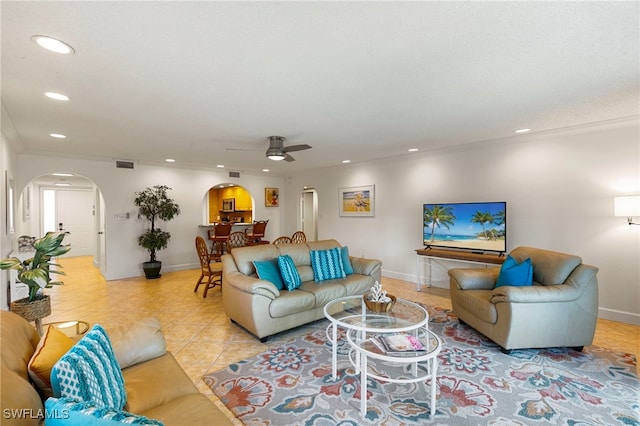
277, 151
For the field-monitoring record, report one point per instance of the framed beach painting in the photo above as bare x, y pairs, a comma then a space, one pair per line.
357, 201
271, 197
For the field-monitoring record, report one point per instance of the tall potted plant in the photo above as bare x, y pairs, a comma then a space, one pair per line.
35, 273
153, 205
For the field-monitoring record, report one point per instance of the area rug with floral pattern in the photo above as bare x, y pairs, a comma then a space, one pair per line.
477, 384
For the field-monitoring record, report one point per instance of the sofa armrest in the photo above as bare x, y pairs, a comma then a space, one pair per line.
137, 341
251, 285
475, 278
364, 266
535, 294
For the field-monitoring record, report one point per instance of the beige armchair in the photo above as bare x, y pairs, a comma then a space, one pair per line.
559, 309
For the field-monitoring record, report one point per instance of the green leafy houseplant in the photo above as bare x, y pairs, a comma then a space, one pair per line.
36, 271
154, 205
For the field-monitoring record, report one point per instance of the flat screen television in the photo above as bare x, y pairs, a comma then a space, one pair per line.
477, 227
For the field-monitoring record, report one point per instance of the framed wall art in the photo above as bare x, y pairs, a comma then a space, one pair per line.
357, 201
271, 197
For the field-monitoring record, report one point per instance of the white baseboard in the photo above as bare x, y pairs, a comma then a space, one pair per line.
619, 316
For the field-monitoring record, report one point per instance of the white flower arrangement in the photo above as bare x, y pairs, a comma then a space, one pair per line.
377, 294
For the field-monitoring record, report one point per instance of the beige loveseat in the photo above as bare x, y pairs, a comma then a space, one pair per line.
262, 309
157, 388
559, 309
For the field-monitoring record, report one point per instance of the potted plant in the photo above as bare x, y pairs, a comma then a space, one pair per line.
35, 273
377, 300
154, 204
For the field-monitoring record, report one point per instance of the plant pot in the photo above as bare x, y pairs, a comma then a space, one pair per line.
32, 311
379, 307
152, 269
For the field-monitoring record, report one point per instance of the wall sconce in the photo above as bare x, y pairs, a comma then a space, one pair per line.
628, 206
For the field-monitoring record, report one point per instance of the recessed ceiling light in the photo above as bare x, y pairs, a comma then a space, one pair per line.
56, 96
266, 170
170, 160
63, 174
53, 44
413, 149
522, 131
220, 166
62, 184
346, 161
57, 135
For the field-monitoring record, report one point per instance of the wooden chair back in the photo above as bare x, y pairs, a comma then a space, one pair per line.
282, 240
298, 237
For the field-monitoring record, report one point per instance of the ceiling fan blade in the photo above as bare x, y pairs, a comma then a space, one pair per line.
289, 158
296, 148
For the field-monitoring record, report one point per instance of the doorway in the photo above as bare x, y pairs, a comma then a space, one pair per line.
309, 213
71, 203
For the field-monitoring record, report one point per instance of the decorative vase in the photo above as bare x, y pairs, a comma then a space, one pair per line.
379, 307
32, 311
152, 269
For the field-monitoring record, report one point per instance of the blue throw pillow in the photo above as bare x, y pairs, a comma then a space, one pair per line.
327, 264
71, 412
289, 272
90, 372
515, 274
269, 270
346, 262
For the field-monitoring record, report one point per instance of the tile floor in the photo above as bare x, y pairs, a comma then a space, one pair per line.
198, 332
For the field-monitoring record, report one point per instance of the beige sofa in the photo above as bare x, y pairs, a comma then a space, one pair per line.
262, 309
157, 388
559, 309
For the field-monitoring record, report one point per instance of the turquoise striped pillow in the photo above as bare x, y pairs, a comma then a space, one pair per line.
90, 372
289, 272
327, 264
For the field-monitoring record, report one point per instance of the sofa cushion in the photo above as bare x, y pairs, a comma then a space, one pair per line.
515, 274
289, 272
52, 346
137, 341
146, 384
291, 302
71, 412
346, 262
325, 291
90, 372
270, 271
327, 264
191, 409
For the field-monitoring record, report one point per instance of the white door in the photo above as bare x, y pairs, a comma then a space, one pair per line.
75, 214
309, 214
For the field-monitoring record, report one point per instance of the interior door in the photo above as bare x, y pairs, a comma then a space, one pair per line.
75, 214
309, 214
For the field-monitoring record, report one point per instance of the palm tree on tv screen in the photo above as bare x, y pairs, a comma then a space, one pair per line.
483, 218
438, 216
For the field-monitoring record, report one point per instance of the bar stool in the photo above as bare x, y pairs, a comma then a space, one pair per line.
219, 237
254, 237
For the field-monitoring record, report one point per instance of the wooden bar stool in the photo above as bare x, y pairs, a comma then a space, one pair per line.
219, 237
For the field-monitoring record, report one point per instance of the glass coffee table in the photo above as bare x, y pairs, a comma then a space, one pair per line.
361, 325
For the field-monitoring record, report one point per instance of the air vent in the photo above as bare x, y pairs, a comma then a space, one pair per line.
124, 164
234, 174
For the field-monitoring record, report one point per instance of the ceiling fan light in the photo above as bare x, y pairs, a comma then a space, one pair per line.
275, 157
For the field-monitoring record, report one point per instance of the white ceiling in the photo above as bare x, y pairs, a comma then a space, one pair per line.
356, 80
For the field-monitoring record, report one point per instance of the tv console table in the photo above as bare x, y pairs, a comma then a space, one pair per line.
433, 257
